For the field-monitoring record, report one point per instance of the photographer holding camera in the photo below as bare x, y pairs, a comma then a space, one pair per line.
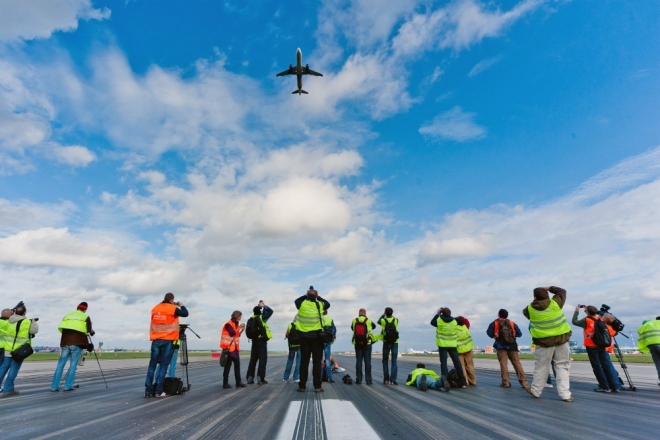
20, 332
163, 332
75, 327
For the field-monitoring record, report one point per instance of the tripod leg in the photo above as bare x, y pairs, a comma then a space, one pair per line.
98, 362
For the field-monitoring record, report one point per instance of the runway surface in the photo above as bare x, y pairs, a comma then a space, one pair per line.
277, 411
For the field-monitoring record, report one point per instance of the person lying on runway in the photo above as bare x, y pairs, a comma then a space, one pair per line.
424, 379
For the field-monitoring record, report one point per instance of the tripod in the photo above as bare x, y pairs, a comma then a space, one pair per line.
619, 356
183, 350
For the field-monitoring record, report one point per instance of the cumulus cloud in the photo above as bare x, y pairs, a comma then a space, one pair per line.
30, 19
439, 250
74, 155
455, 125
20, 215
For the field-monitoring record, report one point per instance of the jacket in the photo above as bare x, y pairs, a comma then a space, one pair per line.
542, 304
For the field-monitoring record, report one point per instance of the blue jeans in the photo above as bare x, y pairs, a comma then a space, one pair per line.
294, 352
363, 354
394, 349
435, 384
614, 375
327, 349
72, 353
11, 366
602, 371
175, 356
161, 351
453, 353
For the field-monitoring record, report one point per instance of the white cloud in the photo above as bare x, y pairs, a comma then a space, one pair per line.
74, 155
30, 19
17, 216
57, 248
483, 65
465, 247
454, 125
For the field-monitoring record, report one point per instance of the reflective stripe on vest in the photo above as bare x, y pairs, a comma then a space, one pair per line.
23, 335
164, 323
547, 323
74, 321
648, 334
464, 341
307, 319
230, 342
445, 333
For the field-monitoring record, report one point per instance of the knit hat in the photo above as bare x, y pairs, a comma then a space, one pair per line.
82, 306
257, 310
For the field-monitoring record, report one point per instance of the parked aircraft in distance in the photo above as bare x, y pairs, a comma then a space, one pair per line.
413, 351
299, 71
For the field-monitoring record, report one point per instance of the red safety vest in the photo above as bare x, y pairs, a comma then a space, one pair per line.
230, 342
164, 323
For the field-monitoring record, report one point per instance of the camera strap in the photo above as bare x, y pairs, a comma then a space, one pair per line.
18, 327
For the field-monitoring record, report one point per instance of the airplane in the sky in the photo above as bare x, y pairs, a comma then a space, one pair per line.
299, 71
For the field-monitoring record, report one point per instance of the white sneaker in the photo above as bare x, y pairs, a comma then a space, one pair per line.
284, 380
297, 380
548, 385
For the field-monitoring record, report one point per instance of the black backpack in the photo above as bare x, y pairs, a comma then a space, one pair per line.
390, 334
453, 379
601, 336
507, 335
295, 336
252, 328
361, 333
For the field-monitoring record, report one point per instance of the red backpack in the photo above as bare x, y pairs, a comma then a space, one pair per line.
361, 332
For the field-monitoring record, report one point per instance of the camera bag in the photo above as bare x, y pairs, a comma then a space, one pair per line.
25, 350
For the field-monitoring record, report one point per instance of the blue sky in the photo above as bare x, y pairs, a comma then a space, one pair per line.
454, 154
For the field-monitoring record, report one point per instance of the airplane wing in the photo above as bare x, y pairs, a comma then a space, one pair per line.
309, 71
289, 71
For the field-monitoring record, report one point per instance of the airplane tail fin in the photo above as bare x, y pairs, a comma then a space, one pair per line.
299, 92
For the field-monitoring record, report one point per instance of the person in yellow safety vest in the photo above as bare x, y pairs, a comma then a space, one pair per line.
424, 379
20, 331
389, 334
259, 350
163, 332
362, 340
230, 340
551, 333
464, 345
4, 333
328, 322
293, 355
309, 322
446, 336
75, 327
648, 340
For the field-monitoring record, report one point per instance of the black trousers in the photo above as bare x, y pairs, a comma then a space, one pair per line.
259, 353
310, 348
237, 370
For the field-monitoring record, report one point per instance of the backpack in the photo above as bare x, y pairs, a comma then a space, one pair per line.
453, 379
361, 333
252, 328
601, 336
504, 332
390, 333
295, 338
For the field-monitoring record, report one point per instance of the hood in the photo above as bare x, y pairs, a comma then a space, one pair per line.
447, 318
541, 304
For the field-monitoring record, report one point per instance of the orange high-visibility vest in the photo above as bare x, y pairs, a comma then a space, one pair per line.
164, 323
589, 331
610, 349
230, 342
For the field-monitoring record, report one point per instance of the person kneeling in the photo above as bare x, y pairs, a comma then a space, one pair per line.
424, 379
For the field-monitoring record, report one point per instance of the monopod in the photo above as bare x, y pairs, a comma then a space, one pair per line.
97, 360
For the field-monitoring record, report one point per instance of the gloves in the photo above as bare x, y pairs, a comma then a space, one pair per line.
90, 348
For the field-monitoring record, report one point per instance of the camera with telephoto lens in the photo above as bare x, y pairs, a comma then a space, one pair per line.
616, 324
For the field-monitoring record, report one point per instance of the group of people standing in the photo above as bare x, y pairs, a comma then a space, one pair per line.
313, 331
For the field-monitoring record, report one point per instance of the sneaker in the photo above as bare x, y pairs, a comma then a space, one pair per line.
616, 390
285, 380
241, 385
226, 385
548, 385
422, 385
262, 382
54, 391
146, 396
570, 399
318, 390
161, 395
445, 383
505, 386
297, 380
358, 382
385, 382
529, 391
370, 383
331, 381
70, 389
601, 390
393, 383
250, 382
301, 390
464, 386
10, 393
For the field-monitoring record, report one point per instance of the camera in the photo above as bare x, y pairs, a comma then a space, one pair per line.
605, 308
582, 306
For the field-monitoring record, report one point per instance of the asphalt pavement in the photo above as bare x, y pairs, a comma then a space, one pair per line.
278, 411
